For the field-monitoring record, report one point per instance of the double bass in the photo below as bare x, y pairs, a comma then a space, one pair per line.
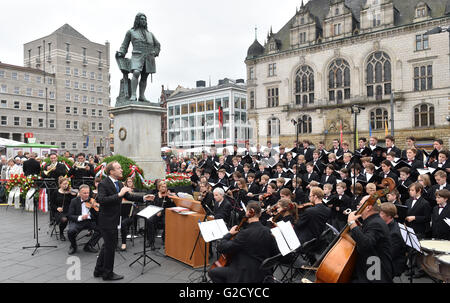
338, 260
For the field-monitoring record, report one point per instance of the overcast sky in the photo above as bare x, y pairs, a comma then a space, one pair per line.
200, 39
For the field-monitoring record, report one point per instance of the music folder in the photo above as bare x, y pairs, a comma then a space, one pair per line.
285, 237
149, 211
213, 230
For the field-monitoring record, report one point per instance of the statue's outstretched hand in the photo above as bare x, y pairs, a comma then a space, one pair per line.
120, 54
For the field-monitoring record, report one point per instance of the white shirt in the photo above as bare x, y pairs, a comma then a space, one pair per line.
84, 211
442, 208
414, 202
442, 186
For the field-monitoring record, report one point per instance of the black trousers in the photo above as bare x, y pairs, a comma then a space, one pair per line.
62, 220
105, 260
153, 223
221, 274
76, 227
125, 226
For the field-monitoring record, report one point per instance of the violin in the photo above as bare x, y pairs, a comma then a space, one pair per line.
277, 216
92, 204
225, 259
304, 206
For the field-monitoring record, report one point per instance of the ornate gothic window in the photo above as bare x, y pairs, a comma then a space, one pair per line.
305, 125
423, 115
379, 118
378, 75
304, 86
273, 127
339, 81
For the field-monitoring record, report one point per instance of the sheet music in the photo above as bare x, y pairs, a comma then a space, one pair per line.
447, 220
243, 207
185, 196
149, 211
285, 237
409, 237
213, 230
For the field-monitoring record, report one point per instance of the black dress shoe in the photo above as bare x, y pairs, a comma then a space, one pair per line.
98, 274
62, 238
72, 250
112, 277
89, 248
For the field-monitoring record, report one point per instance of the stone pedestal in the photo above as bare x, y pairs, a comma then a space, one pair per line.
137, 135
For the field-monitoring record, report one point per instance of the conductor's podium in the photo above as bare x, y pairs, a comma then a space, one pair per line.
182, 231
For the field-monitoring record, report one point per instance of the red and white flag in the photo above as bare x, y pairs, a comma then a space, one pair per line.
43, 200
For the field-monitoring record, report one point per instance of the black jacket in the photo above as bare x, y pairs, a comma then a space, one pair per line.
110, 203
31, 167
422, 212
372, 240
75, 210
398, 249
440, 229
249, 249
222, 212
311, 222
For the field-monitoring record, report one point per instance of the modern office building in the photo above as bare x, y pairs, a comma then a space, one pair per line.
61, 95
193, 115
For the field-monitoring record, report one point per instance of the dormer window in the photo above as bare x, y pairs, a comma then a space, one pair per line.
302, 20
420, 12
376, 19
272, 46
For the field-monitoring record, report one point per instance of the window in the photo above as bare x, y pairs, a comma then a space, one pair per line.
76, 98
93, 112
424, 115
50, 80
67, 96
75, 110
100, 113
52, 95
84, 86
337, 29
2, 74
16, 90
14, 76
422, 42
63, 145
3, 88
92, 86
305, 124
272, 69
41, 93
423, 77
29, 122
378, 75
302, 38
51, 108
304, 86
273, 129
272, 97
29, 106
339, 81
376, 19
99, 101
3, 103
84, 73
75, 72
51, 123
38, 79
75, 124
67, 109
100, 126
68, 71
74, 145
16, 121
29, 91
92, 75
40, 107
85, 111
252, 99
93, 100
4, 120
16, 105
26, 77
68, 123
251, 73
378, 118
93, 126
76, 85
100, 77
84, 99
40, 122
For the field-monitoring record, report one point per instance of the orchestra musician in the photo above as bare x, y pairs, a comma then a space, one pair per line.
54, 170
250, 247
206, 197
158, 221
60, 204
222, 207
81, 169
127, 213
110, 194
82, 215
372, 240
285, 210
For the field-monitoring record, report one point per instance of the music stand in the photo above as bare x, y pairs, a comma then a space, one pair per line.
412, 241
146, 214
44, 184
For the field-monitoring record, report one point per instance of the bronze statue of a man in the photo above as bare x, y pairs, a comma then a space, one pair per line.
145, 49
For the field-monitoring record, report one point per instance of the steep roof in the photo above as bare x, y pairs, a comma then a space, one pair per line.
68, 30
320, 9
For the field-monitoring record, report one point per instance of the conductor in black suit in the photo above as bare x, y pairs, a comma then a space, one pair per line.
31, 166
250, 247
110, 194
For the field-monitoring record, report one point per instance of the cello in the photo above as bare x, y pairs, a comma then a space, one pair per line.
338, 261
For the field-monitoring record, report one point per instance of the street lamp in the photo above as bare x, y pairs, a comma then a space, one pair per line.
356, 109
